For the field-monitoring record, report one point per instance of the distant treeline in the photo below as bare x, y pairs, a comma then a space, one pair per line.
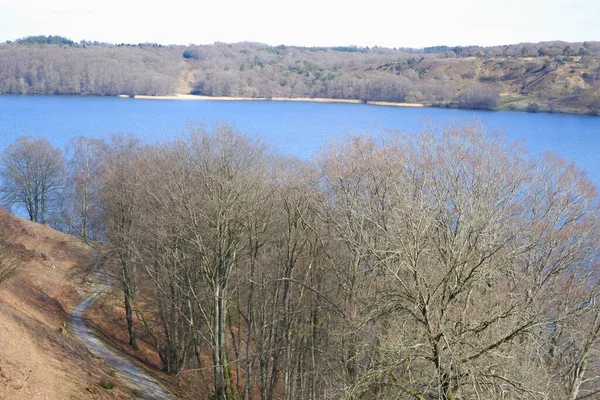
524, 49
86, 70
549, 76
41, 39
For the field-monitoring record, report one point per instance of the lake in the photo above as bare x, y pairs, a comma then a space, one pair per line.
295, 128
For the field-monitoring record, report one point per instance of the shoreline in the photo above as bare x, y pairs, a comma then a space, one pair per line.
187, 97
305, 99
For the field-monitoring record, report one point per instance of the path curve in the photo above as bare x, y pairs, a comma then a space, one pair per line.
146, 387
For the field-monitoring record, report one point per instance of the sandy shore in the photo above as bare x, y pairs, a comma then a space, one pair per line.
194, 97
318, 100
315, 100
389, 103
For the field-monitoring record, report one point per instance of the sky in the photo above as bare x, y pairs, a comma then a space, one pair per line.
416, 23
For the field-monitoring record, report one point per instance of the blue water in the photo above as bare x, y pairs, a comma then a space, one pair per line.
295, 128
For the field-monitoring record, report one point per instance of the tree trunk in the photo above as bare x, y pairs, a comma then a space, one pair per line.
129, 317
223, 384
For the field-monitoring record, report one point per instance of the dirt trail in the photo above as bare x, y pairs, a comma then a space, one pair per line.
185, 83
144, 386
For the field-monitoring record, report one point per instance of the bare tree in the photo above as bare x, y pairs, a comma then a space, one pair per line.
120, 198
479, 96
276, 287
169, 264
465, 243
84, 169
190, 231
350, 206
444, 265
80, 211
32, 176
228, 167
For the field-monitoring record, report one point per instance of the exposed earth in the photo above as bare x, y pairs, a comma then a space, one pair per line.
143, 385
41, 355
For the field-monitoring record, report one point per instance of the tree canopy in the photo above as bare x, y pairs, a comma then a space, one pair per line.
41, 39
444, 264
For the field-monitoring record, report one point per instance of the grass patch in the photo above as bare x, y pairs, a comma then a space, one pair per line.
107, 384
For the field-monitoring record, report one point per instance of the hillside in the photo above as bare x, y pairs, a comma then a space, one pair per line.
39, 356
550, 76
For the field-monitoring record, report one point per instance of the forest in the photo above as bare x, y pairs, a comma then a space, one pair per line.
549, 76
442, 265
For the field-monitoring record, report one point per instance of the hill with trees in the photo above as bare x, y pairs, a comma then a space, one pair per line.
550, 76
28, 67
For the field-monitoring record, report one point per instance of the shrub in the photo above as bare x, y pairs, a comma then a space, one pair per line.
107, 384
479, 96
594, 107
533, 107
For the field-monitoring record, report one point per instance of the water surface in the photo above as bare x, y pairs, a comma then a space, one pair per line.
296, 128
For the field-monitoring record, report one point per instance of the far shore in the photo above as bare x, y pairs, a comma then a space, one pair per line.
311, 99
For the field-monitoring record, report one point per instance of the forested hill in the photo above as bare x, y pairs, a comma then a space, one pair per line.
550, 76
88, 69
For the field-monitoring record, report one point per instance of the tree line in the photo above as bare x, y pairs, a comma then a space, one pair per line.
86, 70
548, 76
441, 265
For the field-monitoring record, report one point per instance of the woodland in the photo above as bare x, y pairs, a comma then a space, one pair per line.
549, 76
441, 265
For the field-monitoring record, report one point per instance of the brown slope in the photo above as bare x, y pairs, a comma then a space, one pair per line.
39, 356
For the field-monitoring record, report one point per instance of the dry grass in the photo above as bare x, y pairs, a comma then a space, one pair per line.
39, 357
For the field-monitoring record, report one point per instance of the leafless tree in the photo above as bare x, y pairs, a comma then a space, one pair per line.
229, 169
479, 96
32, 176
169, 264
471, 242
444, 265
119, 194
80, 211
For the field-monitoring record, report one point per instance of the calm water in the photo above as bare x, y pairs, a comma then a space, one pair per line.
295, 128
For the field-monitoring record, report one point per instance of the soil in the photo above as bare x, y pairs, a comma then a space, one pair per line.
40, 355
40, 358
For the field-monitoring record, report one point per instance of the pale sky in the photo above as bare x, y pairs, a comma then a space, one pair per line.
388, 23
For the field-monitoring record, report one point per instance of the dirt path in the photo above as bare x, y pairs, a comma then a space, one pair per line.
144, 386
185, 83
